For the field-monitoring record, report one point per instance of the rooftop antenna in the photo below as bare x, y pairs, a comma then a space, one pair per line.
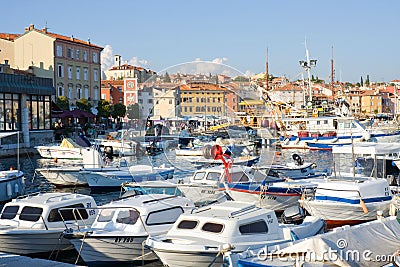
307, 66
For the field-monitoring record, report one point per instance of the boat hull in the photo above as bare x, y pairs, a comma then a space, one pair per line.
112, 181
60, 152
11, 186
338, 214
274, 198
33, 242
63, 178
201, 194
107, 249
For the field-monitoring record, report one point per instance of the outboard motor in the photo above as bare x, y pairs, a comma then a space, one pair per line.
294, 215
299, 161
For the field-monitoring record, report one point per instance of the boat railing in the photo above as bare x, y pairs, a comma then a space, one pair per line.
28, 195
245, 209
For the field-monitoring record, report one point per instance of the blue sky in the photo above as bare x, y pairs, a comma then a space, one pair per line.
158, 34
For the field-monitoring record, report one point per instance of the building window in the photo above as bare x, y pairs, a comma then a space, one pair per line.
95, 75
78, 73
170, 102
84, 55
120, 100
70, 53
10, 112
78, 92
59, 51
86, 92
60, 71
60, 90
103, 96
70, 91
70, 72
39, 112
96, 93
95, 57
85, 74
78, 54
119, 89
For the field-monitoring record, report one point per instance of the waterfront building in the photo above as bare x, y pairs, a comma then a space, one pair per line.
202, 99
166, 101
112, 91
25, 106
73, 64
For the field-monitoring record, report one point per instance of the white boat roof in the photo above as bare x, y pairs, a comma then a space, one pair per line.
50, 199
367, 148
149, 202
319, 118
228, 210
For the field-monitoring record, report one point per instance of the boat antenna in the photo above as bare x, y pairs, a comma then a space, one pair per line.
18, 167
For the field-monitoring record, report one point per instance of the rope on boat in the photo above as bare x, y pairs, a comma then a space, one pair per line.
80, 249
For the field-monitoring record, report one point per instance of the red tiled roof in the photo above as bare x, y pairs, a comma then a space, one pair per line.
201, 87
9, 36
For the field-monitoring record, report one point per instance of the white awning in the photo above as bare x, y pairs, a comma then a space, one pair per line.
367, 148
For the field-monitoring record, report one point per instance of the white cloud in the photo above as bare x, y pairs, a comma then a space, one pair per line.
135, 61
107, 58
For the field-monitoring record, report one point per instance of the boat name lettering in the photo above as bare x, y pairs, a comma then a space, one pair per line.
208, 191
263, 196
92, 212
124, 239
88, 205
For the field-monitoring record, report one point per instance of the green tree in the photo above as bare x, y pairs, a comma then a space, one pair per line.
133, 112
167, 79
118, 110
367, 81
63, 102
83, 104
361, 81
103, 109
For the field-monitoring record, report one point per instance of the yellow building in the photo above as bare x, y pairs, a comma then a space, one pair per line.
200, 99
371, 102
73, 64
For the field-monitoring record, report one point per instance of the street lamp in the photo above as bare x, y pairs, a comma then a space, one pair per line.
307, 64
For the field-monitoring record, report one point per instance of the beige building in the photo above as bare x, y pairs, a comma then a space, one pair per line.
371, 102
73, 64
166, 103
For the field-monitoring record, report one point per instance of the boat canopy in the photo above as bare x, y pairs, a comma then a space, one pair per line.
367, 148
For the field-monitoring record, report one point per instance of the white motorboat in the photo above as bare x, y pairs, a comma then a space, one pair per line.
341, 202
200, 238
356, 191
122, 144
34, 223
122, 226
291, 170
113, 180
66, 175
12, 184
68, 149
203, 186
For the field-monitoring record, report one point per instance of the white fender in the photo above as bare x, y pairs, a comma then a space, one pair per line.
9, 189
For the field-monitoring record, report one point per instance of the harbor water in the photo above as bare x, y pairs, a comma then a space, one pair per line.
183, 168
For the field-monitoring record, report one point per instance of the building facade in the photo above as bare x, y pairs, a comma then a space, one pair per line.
73, 64
119, 71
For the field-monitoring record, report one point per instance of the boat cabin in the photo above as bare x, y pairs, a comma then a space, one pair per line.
49, 211
229, 222
215, 175
141, 213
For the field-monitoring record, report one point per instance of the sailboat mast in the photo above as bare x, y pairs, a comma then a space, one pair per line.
266, 72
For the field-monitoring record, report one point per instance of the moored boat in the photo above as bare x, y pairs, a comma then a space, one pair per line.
34, 223
123, 225
200, 238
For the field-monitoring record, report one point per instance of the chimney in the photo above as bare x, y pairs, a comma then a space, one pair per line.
44, 30
88, 40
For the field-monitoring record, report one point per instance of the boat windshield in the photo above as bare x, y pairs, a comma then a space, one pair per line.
127, 217
199, 175
213, 176
9, 212
31, 214
105, 215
